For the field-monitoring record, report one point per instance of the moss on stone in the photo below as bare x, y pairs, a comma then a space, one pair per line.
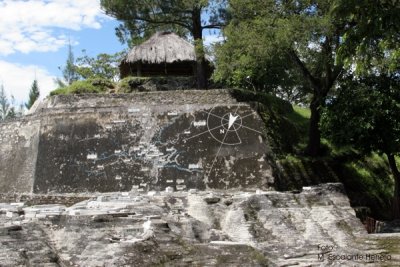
158, 83
85, 87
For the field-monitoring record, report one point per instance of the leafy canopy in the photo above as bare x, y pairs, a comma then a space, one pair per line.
280, 45
284, 46
372, 38
103, 66
366, 114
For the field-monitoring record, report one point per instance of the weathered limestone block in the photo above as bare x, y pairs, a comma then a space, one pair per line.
19, 142
147, 141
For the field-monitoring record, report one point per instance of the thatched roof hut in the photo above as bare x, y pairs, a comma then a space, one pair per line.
164, 54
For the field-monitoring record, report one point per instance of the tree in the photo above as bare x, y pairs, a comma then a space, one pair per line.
237, 66
102, 66
298, 40
33, 94
69, 72
366, 112
4, 103
365, 115
372, 38
12, 113
141, 17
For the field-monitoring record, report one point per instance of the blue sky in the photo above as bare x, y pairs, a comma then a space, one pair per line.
34, 37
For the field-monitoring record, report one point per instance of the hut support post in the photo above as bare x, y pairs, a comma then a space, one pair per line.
139, 69
199, 49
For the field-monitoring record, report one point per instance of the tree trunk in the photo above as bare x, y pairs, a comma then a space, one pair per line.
201, 73
139, 69
197, 31
396, 177
314, 135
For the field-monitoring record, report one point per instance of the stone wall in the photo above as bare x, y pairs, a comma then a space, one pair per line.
143, 141
18, 153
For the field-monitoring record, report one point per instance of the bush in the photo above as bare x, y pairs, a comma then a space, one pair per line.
59, 91
157, 83
131, 84
89, 86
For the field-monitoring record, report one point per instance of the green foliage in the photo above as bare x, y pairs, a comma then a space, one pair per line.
372, 38
238, 65
130, 84
103, 66
366, 176
33, 94
287, 47
69, 72
368, 180
303, 112
365, 114
265, 39
60, 91
300, 119
284, 47
85, 87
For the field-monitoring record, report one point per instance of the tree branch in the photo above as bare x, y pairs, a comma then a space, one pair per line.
213, 26
177, 22
306, 73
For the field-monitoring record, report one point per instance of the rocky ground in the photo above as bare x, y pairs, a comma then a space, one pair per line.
316, 227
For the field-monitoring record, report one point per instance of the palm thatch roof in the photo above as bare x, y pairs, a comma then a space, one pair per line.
162, 47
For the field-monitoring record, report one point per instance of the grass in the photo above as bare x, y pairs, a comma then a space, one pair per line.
367, 178
88, 86
300, 118
303, 112
369, 182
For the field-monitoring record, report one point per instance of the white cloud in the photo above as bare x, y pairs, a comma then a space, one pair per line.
31, 25
17, 80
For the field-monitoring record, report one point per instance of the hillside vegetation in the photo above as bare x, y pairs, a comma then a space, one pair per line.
127, 85
367, 178
88, 86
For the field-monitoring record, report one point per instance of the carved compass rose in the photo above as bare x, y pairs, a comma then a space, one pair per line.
227, 125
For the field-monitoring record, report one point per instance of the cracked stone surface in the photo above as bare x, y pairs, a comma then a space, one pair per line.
241, 229
183, 140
